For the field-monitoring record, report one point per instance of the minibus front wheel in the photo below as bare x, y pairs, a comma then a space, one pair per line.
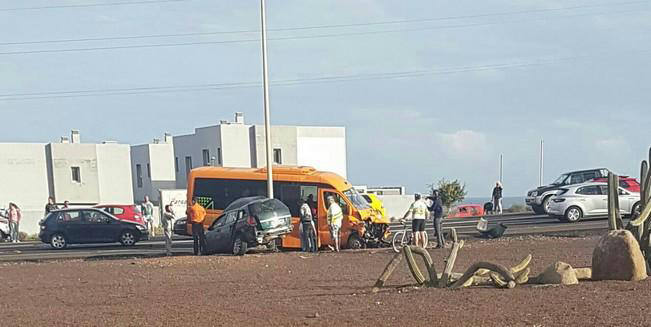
355, 242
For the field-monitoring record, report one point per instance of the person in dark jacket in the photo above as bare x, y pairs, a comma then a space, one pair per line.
50, 206
436, 210
497, 198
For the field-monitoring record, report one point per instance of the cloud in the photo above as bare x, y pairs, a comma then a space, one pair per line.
465, 144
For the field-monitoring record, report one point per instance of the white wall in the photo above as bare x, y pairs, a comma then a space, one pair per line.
23, 174
160, 157
235, 146
114, 173
64, 156
192, 145
323, 148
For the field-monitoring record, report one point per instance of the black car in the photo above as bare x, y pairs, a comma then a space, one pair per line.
77, 226
181, 227
539, 198
248, 222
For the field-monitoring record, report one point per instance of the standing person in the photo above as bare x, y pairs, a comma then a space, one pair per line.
335, 218
436, 211
50, 206
66, 204
308, 231
419, 213
497, 198
197, 214
14, 216
168, 222
148, 212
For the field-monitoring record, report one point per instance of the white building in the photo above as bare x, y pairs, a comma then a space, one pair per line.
235, 144
84, 174
152, 168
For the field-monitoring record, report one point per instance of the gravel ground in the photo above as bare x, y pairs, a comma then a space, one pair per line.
301, 289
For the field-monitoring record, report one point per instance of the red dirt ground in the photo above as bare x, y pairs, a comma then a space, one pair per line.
298, 289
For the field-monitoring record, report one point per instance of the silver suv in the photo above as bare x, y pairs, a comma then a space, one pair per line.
589, 199
539, 198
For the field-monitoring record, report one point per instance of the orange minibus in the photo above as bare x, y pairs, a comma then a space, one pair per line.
217, 187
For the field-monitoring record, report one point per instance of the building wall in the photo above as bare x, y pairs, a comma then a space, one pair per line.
322, 147
114, 173
192, 145
235, 146
63, 158
23, 174
283, 138
140, 156
160, 157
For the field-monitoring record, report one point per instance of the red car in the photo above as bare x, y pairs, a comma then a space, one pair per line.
127, 212
625, 182
466, 210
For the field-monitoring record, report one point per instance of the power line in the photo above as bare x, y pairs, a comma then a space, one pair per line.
315, 36
286, 82
107, 4
391, 22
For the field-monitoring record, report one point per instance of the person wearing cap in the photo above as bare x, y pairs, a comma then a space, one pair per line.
419, 212
335, 218
436, 211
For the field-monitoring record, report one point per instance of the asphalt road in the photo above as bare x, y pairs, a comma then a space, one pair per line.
465, 227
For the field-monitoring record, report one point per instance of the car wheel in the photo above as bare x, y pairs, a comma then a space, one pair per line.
355, 242
58, 241
239, 246
545, 204
573, 214
128, 238
635, 212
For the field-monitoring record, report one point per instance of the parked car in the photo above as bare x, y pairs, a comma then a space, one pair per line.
539, 199
625, 182
590, 199
466, 210
181, 227
376, 204
129, 212
248, 222
89, 225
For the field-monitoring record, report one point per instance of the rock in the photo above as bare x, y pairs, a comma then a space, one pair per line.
560, 273
583, 273
618, 257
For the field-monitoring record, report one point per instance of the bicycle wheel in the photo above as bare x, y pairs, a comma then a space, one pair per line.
398, 241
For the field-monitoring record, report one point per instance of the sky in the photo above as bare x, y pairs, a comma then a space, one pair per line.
426, 89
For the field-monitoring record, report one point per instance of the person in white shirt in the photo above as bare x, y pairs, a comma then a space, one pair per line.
168, 222
419, 214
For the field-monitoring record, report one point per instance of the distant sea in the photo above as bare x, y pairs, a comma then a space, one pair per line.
507, 202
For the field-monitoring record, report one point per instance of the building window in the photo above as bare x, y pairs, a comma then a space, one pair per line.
219, 156
278, 156
139, 175
149, 171
76, 174
188, 165
176, 164
206, 157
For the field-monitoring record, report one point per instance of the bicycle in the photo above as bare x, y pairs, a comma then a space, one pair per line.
403, 237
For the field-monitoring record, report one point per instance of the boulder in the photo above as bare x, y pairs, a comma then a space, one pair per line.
560, 273
618, 257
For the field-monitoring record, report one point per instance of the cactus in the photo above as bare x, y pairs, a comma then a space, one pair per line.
640, 226
614, 215
418, 276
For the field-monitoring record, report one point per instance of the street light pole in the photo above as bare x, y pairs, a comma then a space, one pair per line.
265, 83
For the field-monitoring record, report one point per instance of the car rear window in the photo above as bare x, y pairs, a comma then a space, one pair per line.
269, 209
118, 211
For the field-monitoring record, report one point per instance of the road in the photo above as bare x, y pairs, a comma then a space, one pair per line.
517, 225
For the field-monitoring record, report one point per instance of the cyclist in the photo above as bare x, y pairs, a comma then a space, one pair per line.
419, 213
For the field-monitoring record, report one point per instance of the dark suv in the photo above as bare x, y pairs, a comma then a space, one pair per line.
90, 225
248, 222
539, 198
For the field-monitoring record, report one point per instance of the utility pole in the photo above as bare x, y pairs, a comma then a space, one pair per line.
541, 173
265, 83
501, 168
